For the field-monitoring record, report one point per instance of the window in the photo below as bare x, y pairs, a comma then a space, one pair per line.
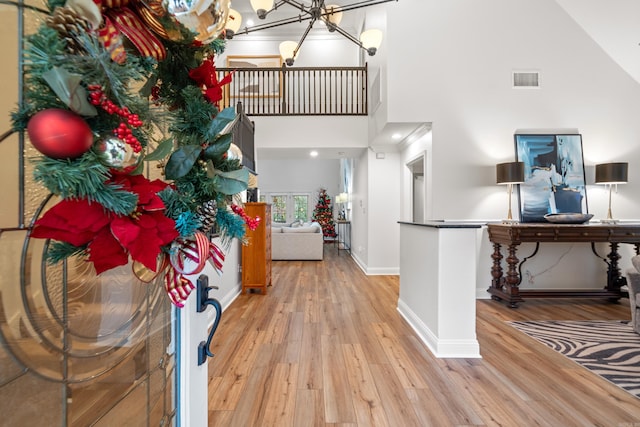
288, 207
279, 208
301, 207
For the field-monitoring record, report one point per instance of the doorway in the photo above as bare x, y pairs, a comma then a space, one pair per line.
418, 189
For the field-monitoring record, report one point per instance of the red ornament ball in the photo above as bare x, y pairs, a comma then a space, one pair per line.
59, 134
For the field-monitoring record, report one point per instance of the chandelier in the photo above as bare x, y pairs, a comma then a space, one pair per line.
330, 15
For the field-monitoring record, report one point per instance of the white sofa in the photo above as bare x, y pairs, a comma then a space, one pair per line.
298, 242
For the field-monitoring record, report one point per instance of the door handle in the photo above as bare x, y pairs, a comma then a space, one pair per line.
202, 301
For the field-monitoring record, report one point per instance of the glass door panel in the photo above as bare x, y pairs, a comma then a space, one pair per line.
76, 349
289, 207
279, 207
300, 207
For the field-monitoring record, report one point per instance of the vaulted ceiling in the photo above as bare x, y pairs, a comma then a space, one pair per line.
614, 25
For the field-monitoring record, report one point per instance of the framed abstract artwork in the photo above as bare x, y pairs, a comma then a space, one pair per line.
554, 177
251, 79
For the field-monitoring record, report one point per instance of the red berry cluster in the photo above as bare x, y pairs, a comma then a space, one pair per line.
123, 131
252, 223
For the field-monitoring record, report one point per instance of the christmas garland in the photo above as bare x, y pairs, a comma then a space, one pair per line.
94, 129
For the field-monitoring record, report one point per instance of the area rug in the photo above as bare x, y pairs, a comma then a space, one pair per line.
610, 349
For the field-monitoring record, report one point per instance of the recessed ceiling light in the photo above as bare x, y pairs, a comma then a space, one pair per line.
396, 136
314, 153
250, 22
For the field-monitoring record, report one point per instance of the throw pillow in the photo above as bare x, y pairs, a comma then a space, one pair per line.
297, 230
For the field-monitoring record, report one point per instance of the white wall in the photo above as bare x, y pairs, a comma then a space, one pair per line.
450, 64
420, 147
616, 33
300, 175
359, 211
230, 282
458, 78
310, 131
383, 213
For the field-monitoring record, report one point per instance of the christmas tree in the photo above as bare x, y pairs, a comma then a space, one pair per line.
323, 214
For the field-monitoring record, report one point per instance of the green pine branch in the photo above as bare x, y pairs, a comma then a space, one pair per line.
58, 251
84, 178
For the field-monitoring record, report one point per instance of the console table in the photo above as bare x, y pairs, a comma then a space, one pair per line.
344, 235
513, 234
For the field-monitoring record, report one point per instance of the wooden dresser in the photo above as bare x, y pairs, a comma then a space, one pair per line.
256, 254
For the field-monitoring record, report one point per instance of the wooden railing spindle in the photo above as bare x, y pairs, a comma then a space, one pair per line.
297, 91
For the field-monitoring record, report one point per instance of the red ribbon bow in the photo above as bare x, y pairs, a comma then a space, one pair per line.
199, 250
206, 77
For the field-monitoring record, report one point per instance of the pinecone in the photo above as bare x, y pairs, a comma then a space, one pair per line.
207, 215
69, 24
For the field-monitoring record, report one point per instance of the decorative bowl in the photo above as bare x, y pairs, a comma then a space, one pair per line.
568, 218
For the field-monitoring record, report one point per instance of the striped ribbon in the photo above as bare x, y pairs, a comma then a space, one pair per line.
177, 286
129, 24
112, 41
199, 250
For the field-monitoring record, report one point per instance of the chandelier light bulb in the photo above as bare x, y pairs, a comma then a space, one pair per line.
371, 40
329, 14
333, 17
287, 50
261, 7
233, 23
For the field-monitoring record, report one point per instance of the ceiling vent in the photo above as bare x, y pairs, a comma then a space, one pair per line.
526, 79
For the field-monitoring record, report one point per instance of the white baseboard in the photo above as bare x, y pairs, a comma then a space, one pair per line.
384, 271
359, 262
481, 293
468, 349
231, 296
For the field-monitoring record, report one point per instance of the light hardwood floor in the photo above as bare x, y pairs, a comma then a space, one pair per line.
327, 347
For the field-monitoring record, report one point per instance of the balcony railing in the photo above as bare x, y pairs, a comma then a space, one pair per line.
337, 91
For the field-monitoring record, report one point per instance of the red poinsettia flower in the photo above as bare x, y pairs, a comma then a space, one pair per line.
110, 238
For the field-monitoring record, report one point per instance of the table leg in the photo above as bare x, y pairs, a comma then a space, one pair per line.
615, 280
497, 281
513, 277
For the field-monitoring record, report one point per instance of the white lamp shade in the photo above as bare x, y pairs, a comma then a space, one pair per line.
287, 48
371, 38
233, 21
262, 5
335, 17
342, 198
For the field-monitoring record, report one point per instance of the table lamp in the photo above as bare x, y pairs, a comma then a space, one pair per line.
342, 198
611, 173
509, 173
